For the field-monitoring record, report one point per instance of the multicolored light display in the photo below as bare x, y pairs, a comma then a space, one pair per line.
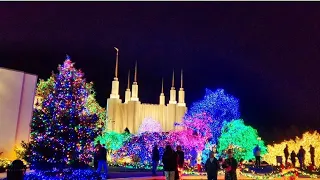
63, 130
44, 88
113, 140
308, 138
219, 106
149, 125
241, 138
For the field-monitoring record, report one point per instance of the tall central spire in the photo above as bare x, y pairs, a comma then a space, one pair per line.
181, 83
117, 61
173, 92
162, 86
135, 72
115, 83
134, 94
172, 85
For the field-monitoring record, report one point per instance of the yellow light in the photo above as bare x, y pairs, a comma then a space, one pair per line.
307, 139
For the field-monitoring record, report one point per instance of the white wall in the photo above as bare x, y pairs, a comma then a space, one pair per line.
17, 91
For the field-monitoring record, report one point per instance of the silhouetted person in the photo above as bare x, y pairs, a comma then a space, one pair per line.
102, 160
286, 154
293, 158
256, 152
212, 166
194, 155
180, 156
169, 160
230, 165
301, 156
155, 159
96, 155
312, 155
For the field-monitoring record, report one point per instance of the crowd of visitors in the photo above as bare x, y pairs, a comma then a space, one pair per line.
173, 164
301, 156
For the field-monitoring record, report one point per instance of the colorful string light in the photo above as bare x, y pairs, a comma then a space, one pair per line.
242, 138
63, 130
149, 125
219, 106
308, 138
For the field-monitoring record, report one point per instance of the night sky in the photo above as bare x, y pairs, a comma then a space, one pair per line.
265, 54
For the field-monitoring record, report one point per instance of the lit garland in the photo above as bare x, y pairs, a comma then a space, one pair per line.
63, 130
149, 125
68, 174
307, 139
219, 106
291, 173
242, 138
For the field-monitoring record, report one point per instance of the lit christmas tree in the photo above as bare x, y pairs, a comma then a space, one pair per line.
44, 88
63, 130
241, 138
217, 105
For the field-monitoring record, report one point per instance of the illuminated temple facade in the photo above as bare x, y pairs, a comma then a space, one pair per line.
130, 113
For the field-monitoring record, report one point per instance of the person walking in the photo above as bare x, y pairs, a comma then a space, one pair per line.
230, 165
293, 158
301, 157
102, 160
169, 160
180, 156
212, 166
155, 159
311, 151
96, 155
256, 153
286, 154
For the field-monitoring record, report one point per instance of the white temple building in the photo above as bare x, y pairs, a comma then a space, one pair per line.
130, 113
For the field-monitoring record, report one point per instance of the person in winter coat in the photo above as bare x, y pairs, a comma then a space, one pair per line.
96, 155
230, 165
286, 154
155, 159
301, 157
256, 153
312, 151
102, 160
179, 170
293, 158
212, 166
169, 160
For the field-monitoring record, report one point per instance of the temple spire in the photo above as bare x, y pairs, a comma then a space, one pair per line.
162, 86
135, 72
181, 83
117, 59
172, 85
128, 86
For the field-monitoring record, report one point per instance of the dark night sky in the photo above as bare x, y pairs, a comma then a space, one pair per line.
265, 54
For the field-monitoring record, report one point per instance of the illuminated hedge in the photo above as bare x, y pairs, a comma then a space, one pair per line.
241, 138
308, 138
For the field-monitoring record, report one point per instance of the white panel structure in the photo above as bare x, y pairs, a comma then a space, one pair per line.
17, 92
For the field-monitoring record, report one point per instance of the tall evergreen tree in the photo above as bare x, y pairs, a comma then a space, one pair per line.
63, 130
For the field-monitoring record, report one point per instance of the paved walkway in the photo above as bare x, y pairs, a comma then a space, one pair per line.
146, 176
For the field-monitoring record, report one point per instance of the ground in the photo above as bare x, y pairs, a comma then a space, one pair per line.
131, 174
